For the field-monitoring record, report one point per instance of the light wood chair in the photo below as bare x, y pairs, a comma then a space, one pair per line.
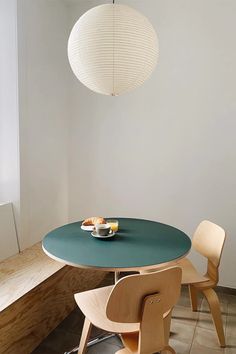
138, 307
208, 240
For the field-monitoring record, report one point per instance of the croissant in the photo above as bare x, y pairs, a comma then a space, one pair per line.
93, 221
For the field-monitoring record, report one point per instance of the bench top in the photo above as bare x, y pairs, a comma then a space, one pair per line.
23, 272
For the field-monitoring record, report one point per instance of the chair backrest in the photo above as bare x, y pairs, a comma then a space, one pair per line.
125, 303
208, 240
146, 299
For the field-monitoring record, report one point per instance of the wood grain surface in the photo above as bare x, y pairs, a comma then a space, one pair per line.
36, 295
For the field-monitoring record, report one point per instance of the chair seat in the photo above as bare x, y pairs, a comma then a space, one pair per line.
189, 273
93, 305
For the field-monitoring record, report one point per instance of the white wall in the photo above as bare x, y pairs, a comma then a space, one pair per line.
42, 35
9, 145
166, 151
8, 236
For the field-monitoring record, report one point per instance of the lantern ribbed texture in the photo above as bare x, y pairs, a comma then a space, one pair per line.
112, 49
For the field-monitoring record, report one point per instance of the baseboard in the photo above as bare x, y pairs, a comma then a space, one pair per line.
226, 290
221, 289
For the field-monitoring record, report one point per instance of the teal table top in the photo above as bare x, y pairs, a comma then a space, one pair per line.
138, 244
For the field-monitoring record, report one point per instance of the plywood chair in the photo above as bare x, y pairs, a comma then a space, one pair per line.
208, 240
138, 307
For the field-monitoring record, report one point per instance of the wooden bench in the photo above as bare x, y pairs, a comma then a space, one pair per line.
36, 294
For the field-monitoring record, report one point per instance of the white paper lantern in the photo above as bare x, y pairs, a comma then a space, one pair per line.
112, 49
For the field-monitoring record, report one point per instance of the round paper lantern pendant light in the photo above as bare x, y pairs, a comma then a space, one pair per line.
112, 49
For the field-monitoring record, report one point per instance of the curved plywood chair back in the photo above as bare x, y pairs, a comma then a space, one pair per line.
127, 297
209, 240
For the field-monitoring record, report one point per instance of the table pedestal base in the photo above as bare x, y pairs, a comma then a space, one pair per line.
94, 341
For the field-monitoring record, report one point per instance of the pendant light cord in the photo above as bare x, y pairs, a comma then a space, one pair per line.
113, 55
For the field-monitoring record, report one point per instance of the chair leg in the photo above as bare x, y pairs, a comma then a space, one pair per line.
193, 297
214, 305
167, 323
169, 349
85, 336
123, 351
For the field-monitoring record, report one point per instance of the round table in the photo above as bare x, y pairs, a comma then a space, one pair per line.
138, 245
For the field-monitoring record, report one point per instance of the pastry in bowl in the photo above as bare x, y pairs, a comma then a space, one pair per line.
93, 221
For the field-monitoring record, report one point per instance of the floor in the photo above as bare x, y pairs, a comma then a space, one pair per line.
191, 332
